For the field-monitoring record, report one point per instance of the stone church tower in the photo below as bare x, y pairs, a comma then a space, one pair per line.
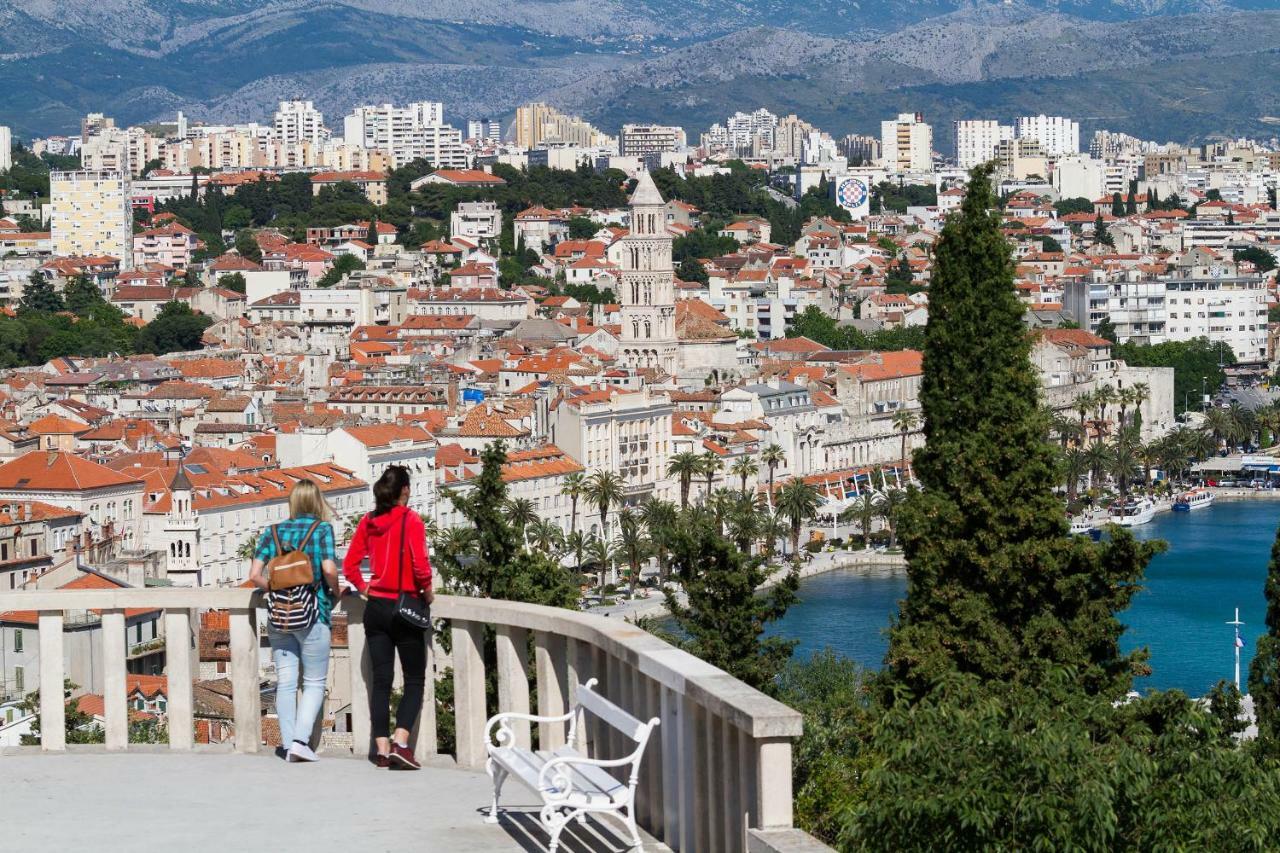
647, 284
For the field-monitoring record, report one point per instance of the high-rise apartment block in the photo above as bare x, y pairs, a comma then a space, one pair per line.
484, 129
860, 149
539, 125
976, 140
906, 144
1056, 135
639, 140
6, 149
90, 214
299, 121
412, 132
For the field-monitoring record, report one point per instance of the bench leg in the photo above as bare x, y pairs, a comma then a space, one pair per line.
499, 775
554, 820
630, 820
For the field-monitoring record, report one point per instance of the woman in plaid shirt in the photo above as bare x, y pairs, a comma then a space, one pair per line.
307, 647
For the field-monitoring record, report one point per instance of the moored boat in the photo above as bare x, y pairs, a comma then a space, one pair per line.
1193, 499
1132, 511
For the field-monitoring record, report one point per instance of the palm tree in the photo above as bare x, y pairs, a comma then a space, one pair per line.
1103, 397
772, 528
1123, 398
522, 514
1141, 394
457, 541
604, 489
888, 509
862, 510
1242, 423
1076, 466
546, 536
744, 522
720, 505
709, 465
1200, 444
904, 421
573, 488
1123, 463
1082, 405
684, 465
1064, 428
772, 456
600, 554
1098, 458
744, 467
633, 546
576, 542
1220, 425
797, 503
660, 520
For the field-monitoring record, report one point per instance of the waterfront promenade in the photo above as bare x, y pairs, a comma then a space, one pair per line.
654, 604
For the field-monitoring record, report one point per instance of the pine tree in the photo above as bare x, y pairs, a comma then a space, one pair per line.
1264, 670
38, 295
996, 587
1101, 235
722, 617
497, 565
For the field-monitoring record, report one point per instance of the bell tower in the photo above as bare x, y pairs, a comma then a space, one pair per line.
182, 530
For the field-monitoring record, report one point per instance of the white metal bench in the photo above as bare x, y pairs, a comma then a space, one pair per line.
570, 784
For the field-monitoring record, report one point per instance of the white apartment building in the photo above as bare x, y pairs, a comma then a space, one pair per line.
1057, 135
628, 433
536, 474
90, 213
299, 121
367, 451
414, 131
1232, 310
1079, 176
479, 221
906, 144
6, 149
976, 140
640, 140
484, 130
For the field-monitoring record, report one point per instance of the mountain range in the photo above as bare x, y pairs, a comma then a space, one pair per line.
1169, 69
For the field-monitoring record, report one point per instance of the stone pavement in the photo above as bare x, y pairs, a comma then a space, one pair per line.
151, 799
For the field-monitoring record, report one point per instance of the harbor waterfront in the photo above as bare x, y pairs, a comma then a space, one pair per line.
1216, 562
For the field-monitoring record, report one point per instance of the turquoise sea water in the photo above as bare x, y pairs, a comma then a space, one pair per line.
1217, 561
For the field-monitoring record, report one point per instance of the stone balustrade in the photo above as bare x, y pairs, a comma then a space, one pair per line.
716, 775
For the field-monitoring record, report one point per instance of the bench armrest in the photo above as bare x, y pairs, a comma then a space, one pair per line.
504, 735
556, 783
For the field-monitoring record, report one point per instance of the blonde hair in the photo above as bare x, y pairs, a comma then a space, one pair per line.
307, 499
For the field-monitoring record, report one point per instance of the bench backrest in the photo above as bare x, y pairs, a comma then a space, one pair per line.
619, 719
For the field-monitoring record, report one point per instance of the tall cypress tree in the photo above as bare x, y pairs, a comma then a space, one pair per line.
1117, 205
996, 586
1264, 670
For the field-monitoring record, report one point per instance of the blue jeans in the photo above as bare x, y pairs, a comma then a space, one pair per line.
311, 647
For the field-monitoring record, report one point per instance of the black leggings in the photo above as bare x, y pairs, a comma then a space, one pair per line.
386, 635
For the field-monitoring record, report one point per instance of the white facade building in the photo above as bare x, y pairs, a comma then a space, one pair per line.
299, 121
639, 140
1057, 135
906, 144
6, 149
976, 140
412, 132
646, 283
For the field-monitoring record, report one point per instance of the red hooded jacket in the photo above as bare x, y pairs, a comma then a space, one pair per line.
397, 565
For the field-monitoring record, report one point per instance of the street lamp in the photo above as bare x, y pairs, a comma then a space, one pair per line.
1204, 397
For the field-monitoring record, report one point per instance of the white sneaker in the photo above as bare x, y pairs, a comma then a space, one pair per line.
302, 752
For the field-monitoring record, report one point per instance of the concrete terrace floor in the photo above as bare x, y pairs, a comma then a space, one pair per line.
157, 800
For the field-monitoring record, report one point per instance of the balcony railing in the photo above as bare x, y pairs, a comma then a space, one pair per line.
716, 776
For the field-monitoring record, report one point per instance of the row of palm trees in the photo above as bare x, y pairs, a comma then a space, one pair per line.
639, 533
1127, 400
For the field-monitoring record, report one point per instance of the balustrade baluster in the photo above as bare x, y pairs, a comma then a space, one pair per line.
177, 652
245, 679
53, 710
513, 679
468, 693
114, 700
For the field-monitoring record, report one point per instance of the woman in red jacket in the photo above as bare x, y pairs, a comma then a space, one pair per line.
394, 539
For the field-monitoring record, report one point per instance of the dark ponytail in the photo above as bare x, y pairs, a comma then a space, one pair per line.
387, 491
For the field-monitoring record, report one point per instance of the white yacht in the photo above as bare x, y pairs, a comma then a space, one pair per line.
1132, 511
1193, 499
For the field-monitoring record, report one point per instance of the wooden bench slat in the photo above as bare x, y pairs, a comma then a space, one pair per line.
610, 713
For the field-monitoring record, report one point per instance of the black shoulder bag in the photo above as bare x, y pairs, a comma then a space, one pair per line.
410, 607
